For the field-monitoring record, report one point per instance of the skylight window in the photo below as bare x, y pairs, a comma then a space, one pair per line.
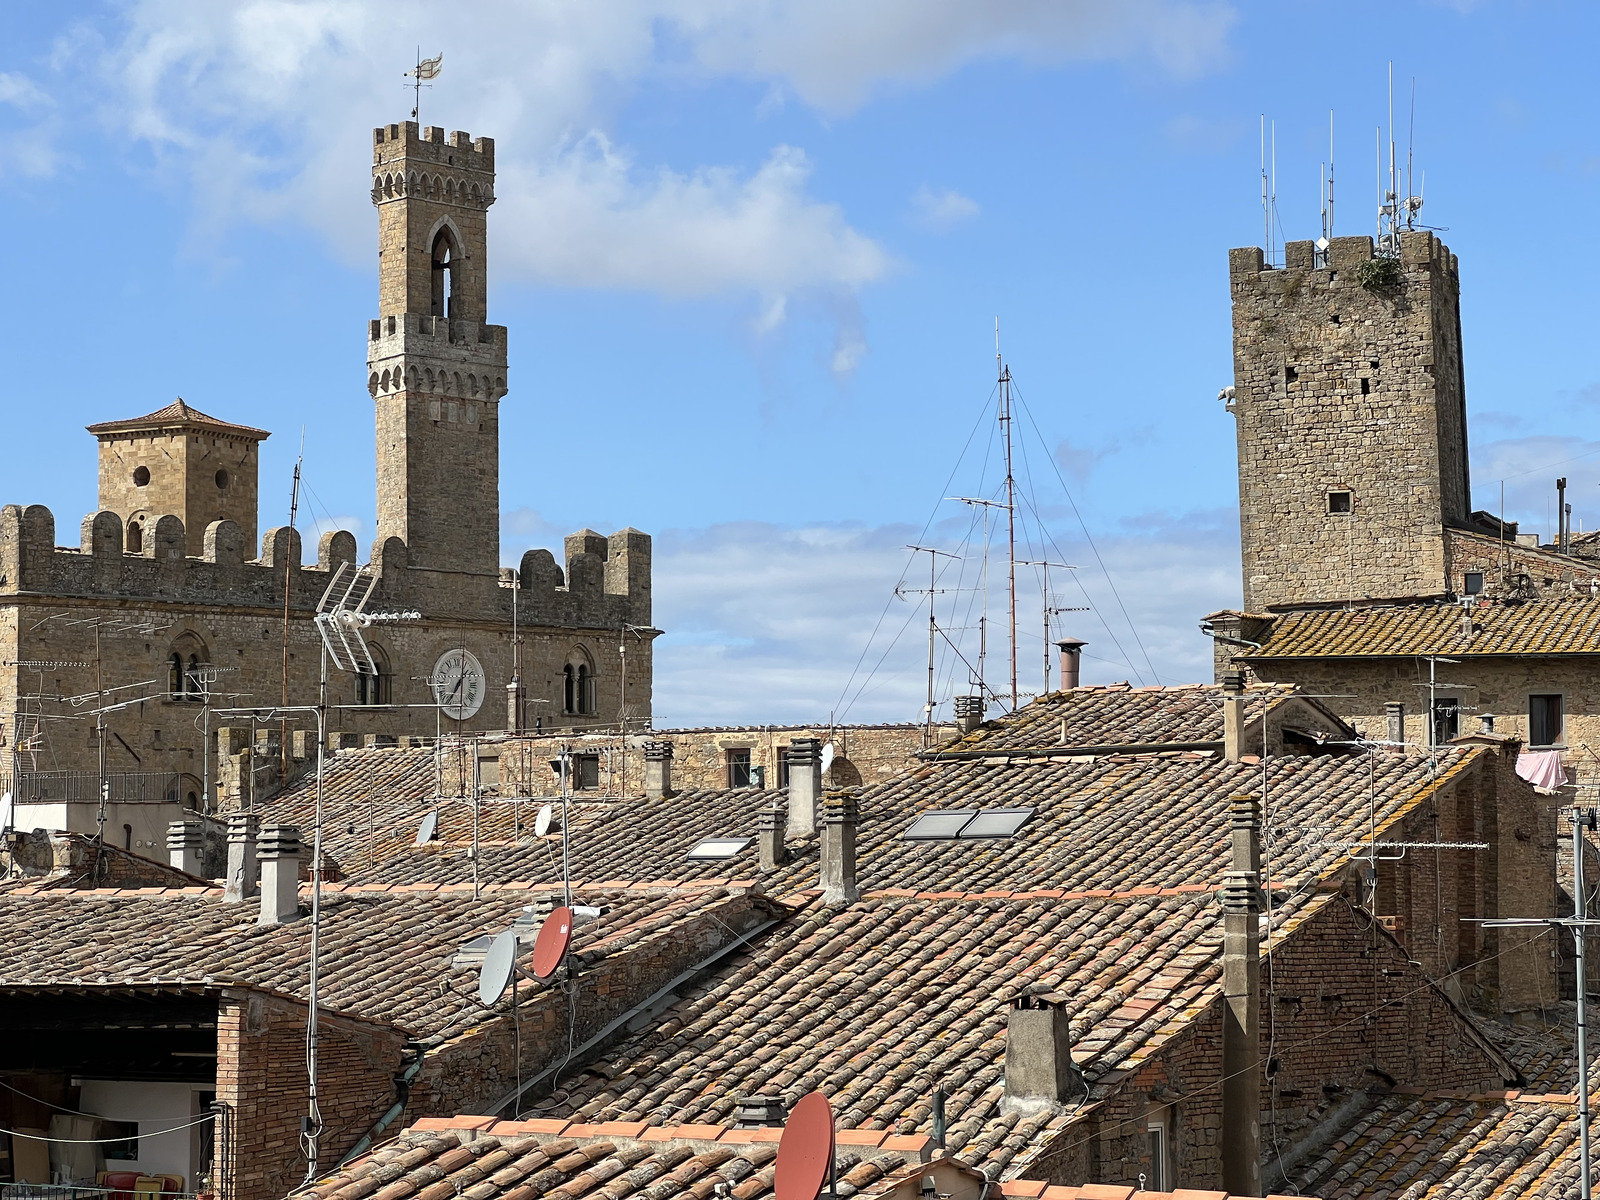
713, 849
967, 824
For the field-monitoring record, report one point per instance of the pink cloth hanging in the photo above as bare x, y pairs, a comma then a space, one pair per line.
1542, 768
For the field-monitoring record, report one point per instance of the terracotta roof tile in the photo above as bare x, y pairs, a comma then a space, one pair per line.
1566, 625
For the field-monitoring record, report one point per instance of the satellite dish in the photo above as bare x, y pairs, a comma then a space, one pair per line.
554, 936
429, 829
805, 1152
542, 822
827, 757
498, 964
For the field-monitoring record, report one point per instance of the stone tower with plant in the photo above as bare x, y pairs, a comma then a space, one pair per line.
1351, 417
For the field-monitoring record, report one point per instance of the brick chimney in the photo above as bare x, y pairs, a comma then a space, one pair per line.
969, 713
1040, 1073
1233, 715
805, 785
241, 882
1071, 660
1396, 716
769, 838
279, 853
1241, 1012
838, 848
185, 843
657, 769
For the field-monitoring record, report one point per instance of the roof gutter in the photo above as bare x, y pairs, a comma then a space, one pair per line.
1068, 751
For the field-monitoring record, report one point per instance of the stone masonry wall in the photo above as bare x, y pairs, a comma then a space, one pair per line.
1346, 388
261, 1076
229, 613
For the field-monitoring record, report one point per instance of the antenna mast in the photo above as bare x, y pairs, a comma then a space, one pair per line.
288, 571
1011, 505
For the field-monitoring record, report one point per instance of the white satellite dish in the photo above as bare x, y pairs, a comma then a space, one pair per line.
827, 757
543, 821
429, 829
498, 964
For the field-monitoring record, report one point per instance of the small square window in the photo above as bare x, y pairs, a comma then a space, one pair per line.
1290, 374
1472, 583
1366, 386
1544, 720
1338, 502
586, 772
1446, 720
738, 768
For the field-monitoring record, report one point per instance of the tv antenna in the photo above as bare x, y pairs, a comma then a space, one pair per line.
1398, 206
983, 616
806, 1150
1269, 183
1044, 596
1325, 184
1004, 386
426, 68
342, 615
930, 591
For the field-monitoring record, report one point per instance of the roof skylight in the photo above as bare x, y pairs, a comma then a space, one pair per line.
712, 849
965, 824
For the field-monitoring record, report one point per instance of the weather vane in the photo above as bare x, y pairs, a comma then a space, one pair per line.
426, 68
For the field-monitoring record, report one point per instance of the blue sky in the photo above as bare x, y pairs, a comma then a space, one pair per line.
751, 256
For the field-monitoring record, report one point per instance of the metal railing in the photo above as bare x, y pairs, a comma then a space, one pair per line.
71, 787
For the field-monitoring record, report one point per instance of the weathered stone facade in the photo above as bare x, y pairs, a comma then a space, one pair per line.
1351, 420
184, 608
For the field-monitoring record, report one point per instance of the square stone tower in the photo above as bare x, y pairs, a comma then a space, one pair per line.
435, 369
179, 461
1351, 421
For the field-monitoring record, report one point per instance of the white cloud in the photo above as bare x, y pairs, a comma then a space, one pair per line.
20, 91
768, 624
941, 209
269, 104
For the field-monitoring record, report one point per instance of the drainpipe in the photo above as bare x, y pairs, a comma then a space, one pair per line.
1241, 1010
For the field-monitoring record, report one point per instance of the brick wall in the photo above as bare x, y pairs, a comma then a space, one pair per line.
261, 1076
1341, 1009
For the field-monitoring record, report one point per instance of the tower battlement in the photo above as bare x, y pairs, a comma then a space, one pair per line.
1351, 408
392, 143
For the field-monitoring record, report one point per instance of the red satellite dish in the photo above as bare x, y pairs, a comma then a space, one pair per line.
551, 948
805, 1152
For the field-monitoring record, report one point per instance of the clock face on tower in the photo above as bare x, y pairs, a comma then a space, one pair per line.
457, 682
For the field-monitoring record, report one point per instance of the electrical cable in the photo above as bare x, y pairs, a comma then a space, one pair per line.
36, 1137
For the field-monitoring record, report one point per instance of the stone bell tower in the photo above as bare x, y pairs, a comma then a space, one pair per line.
435, 369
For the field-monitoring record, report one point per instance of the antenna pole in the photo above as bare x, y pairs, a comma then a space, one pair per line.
288, 571
1330, 174
1411, 140
1011, 506
933, 629
1266, 217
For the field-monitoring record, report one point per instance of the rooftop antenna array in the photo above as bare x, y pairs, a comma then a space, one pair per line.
1325, 187
1048, 611
1398, 205
931, 591
1269, 185
1004, 387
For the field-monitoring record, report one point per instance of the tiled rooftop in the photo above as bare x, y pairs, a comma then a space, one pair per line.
1447, 1147
178, 413
385, 956
872, 1003
1568, 625
1115, 715
1092, 825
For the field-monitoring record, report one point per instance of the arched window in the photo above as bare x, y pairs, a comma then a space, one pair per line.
135, 537
375, 688
191, 679
175, 675
184, 665
578, 684
569, 696
586, 702
446, 262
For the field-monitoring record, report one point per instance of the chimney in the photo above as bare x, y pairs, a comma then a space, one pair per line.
241, 883
759, 1112
1396, 714
516, 706
769, 838
1071, 659
1241, 1013
184, 844
805, 785
838, 848
279, 852
969, 713
657, 770
1039, 1070
1233, 715
1487, 720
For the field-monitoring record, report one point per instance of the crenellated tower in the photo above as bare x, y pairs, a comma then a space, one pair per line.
435, 368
